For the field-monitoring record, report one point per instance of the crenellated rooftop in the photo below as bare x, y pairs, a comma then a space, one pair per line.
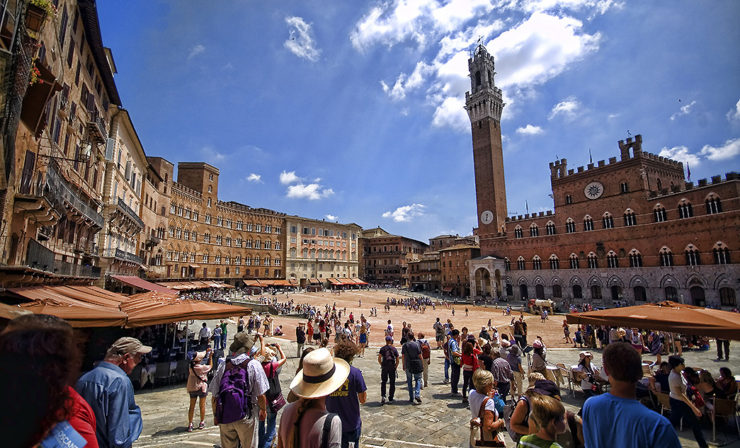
527, 216
182, 189
701, 183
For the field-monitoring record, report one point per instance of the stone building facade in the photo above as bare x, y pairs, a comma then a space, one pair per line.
630, 229
319, 249
125, 168
57, 106
208, 238
424, 271
387, 256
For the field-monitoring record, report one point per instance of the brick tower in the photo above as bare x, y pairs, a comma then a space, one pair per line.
484, 105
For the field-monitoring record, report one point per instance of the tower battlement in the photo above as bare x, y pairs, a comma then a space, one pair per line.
635, 146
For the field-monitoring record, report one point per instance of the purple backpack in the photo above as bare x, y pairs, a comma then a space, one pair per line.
233, 403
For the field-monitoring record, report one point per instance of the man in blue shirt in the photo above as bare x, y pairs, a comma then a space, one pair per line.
110, 394
455, 360
617, 419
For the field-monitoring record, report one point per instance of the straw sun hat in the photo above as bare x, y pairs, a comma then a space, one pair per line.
320, 376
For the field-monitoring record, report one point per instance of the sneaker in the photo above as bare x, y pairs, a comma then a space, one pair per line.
446, 381
390, 400
418, 399
382, 401
202, 425
190, 427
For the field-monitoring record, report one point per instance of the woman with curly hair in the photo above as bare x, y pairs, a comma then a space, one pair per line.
346, 400
39, 362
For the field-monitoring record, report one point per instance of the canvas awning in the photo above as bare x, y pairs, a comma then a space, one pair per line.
359, 281
334, 281
174, 310
666, 316
140, 283
314, 281
253, 283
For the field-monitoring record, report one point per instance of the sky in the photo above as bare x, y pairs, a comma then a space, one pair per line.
352, 111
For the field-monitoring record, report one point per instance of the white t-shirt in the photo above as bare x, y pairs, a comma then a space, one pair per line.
476, 400
311, 428
677, 383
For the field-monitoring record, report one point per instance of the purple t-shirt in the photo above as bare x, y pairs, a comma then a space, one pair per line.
344, 400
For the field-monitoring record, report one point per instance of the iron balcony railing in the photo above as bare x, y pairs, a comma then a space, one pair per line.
122, 255
128, 211
39, 257
58, 188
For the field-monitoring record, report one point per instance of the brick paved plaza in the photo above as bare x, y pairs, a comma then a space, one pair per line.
440, 421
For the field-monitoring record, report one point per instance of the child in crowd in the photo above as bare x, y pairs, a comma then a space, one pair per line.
549, 416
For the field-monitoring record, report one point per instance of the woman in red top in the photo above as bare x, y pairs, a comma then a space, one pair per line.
470, 352
309, 331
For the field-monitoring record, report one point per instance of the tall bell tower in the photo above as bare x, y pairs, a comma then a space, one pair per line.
484, 105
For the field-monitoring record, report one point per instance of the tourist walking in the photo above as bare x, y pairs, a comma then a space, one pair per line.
426, 357
388, 359
439, 333
108, 390
303, 422
482, 408
236, 405
204, 335
346, 400
681, 405
300, 337
197, 388
414, 367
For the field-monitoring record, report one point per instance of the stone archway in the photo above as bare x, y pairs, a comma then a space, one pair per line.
483, 282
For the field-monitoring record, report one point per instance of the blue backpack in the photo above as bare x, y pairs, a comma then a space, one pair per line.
233, 403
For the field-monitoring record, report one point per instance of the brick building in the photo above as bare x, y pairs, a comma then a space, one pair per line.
208, 238
155, 207
317, 249
386, 257
631, 229
453, 268
425, 273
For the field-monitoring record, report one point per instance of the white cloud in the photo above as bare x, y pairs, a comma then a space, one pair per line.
407, 82
569, 109
681, 154
196, 50
301, 42
331, 217
529, 130
405, 213
289, 178
254, 178
312, 192
734, 114
383, 27
684, 110
211, 155
451, 113
730, 149
592, 6
613, 116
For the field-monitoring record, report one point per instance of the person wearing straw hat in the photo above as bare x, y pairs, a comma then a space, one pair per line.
306, 422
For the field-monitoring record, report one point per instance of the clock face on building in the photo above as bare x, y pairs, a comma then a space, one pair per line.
486, 217
594, 190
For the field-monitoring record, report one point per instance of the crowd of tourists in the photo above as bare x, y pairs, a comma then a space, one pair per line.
501, 375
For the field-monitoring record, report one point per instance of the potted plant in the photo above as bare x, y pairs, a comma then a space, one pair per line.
35, 74
36, 14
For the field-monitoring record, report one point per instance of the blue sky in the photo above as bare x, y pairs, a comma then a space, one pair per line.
353, 111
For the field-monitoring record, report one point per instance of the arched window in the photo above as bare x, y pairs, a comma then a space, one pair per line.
685, 210
577, 292
666, 257
629, 218
507, 264
554, 262
713, 204
659, 213
534, 230
640, 293
727, 297
305, 252
573, 261
292, 252
596, 292
477, 79
521, 264
550, 228
635, 259
692, 256
593, 262
539, 291
608, 221
612, 260
557, 291
671, 293
721, 253
570, 226
518, 232
536, 263
588, 223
